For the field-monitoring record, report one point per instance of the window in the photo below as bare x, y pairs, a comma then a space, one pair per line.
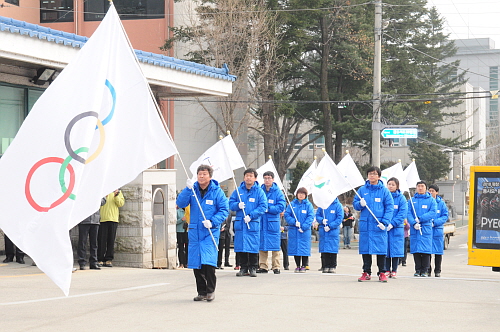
128, 9
318, 144
53, 11
13, 2
15, 102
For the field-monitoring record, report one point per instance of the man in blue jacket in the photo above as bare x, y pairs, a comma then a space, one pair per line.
438, 230
249, 203
209, 208
374, 197
422, 210
270, 237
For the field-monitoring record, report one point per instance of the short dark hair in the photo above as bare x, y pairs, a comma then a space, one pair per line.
205, 168
374, 168
302, 190
250, 170
395, 180
435, 187
268, 173
422, 182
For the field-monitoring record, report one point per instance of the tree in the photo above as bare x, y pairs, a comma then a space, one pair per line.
299, 170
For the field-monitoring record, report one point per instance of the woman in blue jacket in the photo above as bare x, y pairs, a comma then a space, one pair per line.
395, 229
329, 221
438, 230
422, 210
300, 215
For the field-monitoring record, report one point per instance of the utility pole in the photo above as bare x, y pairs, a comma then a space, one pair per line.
377, 77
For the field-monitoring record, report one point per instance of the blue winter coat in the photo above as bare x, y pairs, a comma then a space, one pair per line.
396, 236
248, 239
425, 206
270, 237
329, 241
438, 228
299, 244
202, 250
373, 240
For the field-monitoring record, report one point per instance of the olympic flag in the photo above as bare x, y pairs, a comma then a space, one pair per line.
93, 130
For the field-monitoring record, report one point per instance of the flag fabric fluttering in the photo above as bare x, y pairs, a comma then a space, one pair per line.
223, 157
395, 171
269, 166
328, 183
93, 130
411, 175
307, 179
348, 168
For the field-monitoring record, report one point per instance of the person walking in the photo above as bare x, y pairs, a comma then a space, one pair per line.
270, 237
329, 222
208, 209
249, 203
395, 229
300, 215
422, 211
438, 230
225, 242
284, 241
374, 197
107, 228
347, 227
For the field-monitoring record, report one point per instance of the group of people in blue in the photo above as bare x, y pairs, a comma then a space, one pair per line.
257, 226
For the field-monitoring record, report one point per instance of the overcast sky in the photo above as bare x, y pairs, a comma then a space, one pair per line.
470, 18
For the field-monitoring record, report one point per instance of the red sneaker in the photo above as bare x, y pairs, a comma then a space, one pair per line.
382, 277
364, 277
388, 274
393, 275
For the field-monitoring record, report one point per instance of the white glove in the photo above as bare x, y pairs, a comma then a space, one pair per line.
325, 221
390, 227
241, 205
327, 229
247, 218
362, 202
417, 220
381, 226
207, 223
297, 224
189, 184
417, 226
300, 230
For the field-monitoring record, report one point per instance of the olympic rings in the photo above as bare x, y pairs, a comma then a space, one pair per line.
73, 155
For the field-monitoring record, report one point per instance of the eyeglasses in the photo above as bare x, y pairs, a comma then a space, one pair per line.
373, 173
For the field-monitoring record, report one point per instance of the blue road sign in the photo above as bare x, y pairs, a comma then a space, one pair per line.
400, 133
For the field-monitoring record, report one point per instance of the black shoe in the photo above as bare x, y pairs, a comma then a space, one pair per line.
227, 265
108, 264
20, 260
8, 260
287, 268
437, 274
210, 297
95, 267
253, 273
82, 267
276, 271
242, 273
325, 270
200, 297
219, 268
262, 271
403, 264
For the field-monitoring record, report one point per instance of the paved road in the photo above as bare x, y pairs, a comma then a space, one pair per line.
466, 298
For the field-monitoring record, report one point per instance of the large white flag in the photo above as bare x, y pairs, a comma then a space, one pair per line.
329, 182
223, 157
92, 131
348, 167
269, 166
307, 179
395, 171
411, 175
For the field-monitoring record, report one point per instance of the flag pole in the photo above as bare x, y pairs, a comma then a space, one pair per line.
286, 196
415, 212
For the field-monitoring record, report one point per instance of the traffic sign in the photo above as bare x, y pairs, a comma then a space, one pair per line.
400, 133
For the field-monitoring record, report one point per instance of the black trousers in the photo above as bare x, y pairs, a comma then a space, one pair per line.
284, 249
438, 259
205, 279
237, 258
328, 260
422, 262
224, 245
106, 241
367, 263
12, 250
87, 231
406, 249
249, 261
304, 259
182, 246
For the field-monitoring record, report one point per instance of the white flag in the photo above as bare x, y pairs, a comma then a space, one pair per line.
269, 166
307, 178
348, 167
395, 171
329, 182
223, 157
411, 175
92, 131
